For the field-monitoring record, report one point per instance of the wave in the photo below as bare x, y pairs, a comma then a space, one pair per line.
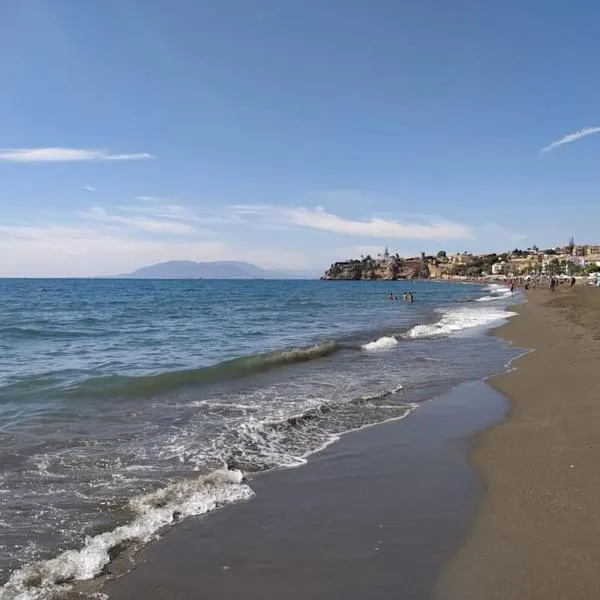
457, 320
153, 511
122, 385
16, 332
383, 343
497, 288
261, 445
257, 445
499, 292
378, 395
497, 297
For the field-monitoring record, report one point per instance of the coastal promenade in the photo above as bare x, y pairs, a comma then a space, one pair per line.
535, 534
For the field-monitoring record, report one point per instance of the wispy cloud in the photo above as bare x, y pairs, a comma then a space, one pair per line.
89, 188
571, 137
152, 222
116, 239
30, 155
374, 227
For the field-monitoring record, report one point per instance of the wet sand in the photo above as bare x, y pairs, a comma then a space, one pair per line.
535, 535
375, 515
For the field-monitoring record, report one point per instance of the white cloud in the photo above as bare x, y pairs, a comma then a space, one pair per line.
90, 188
374, 227
172, 211
154, 222
27, 155
571, 137
320, 219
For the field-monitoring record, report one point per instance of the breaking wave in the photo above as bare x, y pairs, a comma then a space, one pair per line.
153, 511
255, 445
457, 320
498, 292
382, 343
238, 367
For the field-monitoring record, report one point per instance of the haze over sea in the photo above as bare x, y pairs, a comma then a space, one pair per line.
128, 405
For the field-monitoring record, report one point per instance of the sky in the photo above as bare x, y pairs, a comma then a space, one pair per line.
292, 133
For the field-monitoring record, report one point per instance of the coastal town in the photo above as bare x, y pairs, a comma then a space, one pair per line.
571, 260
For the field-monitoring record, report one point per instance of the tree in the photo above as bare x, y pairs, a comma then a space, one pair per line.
575, 268
442, 254
554, 267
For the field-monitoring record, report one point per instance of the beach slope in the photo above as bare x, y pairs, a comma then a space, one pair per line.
535, 534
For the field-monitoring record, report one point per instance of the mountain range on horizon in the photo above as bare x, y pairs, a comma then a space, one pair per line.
222, 269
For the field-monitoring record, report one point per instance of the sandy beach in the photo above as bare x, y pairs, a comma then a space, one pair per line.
535, 535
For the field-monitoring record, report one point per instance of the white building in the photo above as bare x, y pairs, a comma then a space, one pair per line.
498, 268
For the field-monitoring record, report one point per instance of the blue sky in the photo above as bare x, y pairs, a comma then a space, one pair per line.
291, 133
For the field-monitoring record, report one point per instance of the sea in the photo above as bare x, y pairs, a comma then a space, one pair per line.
128, 405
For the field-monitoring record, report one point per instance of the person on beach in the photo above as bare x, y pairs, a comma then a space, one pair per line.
552, 284
572, 282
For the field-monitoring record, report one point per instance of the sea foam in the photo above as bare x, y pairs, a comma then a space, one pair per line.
154, 511
382, 343
498, 292
457, 320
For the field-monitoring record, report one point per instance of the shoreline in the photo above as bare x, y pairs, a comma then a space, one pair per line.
143, 578
533, 532
380, 510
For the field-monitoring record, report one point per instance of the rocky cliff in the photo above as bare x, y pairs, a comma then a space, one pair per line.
389, 269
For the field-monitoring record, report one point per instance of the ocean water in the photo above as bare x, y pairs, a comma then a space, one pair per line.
126, 406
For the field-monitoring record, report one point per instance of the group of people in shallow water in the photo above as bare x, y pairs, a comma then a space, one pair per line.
407, 296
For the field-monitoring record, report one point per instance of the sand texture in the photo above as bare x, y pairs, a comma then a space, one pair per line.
536, 534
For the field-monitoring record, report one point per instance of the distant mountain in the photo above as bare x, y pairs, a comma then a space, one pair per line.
223, 269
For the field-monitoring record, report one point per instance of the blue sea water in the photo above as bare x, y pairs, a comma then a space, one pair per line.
126, 405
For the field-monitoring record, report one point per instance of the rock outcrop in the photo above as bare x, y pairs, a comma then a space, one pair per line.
390, 268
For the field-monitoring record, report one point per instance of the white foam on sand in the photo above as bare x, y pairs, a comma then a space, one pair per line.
457, 320
153, 511
498, 292
383, 343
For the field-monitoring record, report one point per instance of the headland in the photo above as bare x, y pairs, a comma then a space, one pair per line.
571, 260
